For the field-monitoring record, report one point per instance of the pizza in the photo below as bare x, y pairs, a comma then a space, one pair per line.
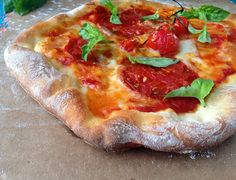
125, 74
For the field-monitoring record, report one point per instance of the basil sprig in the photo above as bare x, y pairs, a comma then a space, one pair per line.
192, 30
151, 17
200, 89
152, 61
213, 13
8, 6
206, 12
93, 35
114, 19
22, 7
204, 36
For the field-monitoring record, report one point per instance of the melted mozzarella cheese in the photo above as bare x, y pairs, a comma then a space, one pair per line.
189, 54
187, 47
112, 64
116, 86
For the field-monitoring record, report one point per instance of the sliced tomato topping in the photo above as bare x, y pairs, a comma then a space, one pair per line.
129, 44
157, 82
182, 105
130, 31
130, 19
164, 40
131, 22
74, 47
133, 15
180, 27
99, 15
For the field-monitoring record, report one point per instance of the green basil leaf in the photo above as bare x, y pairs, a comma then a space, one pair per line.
199, 88
190, 14
88, 47
204, 37
93, 35
114, 19
202, 16
89, 32
192, 30
8, 6
206, 12
107, 3
213, 13
155, 62
151, 17
23, 7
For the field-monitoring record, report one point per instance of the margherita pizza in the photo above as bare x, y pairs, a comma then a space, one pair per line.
134, 73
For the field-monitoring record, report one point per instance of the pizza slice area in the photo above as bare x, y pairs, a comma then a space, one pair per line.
215, 60
110, 82
157, 82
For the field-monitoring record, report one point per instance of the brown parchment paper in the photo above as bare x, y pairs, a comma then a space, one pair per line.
34, 145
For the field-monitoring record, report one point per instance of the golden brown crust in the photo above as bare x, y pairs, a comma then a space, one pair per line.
162, 131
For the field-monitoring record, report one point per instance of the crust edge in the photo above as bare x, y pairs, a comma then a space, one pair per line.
122, 130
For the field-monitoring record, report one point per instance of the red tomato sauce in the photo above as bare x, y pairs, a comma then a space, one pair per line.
72, 55
232, 36
134, 15
91, 74
157, 82
226, 72
74, 47
217, 40
131, 21
218, 37
129, 44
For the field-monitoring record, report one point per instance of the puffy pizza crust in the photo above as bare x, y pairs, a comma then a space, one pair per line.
165, 130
